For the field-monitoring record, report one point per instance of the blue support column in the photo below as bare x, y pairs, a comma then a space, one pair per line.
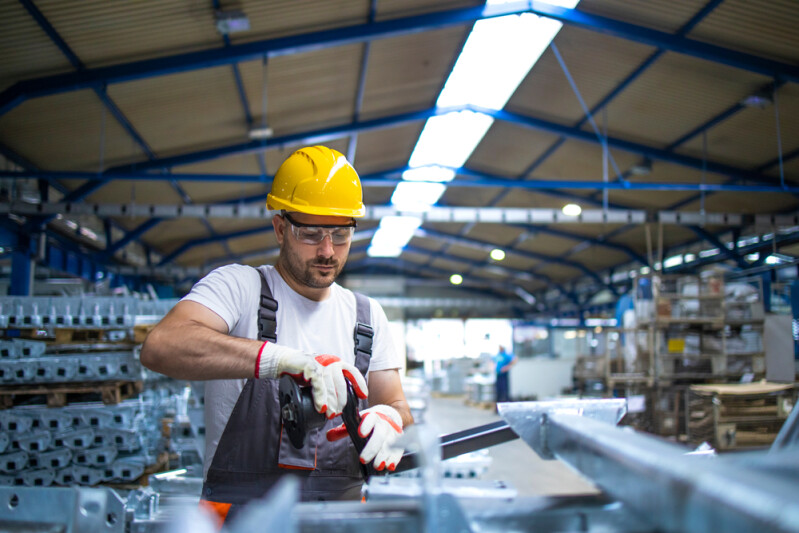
21, 273
795, 314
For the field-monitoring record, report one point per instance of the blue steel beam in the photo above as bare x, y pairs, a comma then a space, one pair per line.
632, 254
328, 134
713, 240
391, 28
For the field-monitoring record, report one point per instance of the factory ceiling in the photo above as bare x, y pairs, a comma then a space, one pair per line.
129, 135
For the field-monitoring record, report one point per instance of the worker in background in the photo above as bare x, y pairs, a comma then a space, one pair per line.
216, 333
504, 362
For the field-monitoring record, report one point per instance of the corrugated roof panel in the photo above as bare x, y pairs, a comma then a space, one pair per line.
499, 234
270, 20
102, 33
558, 273
599, 259
137, 191
25, 50
386, 148
63, 132
469, 196
545, 244
407, 73
751, 203
306, 91
598, 63
663, 15
466, 252
184, 112
532, 199
518, 262
761, 27
265, 241
171, 234
449, 264
674, 96
508, 149
582, 161
234, 164
749, 138
389, 9
424, 243
201, 255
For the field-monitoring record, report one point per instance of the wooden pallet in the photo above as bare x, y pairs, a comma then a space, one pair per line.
61, 394
62, 335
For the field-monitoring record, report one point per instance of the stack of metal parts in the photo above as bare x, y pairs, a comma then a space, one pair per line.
25, 362
82, 444
97, 312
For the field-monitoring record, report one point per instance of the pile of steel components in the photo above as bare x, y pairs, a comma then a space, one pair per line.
646, 483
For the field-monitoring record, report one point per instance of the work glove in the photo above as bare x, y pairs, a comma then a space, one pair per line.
382, 424
327, 375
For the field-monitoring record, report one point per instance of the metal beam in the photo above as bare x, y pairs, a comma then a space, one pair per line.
21, 91
714, 241
681, 493
467, 178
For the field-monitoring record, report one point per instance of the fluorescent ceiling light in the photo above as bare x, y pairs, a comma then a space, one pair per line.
450, 139
429, 173
456, 279
392, 235
572, 210
416, 196
498, 54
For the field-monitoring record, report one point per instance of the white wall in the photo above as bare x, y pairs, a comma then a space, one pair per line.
541, 377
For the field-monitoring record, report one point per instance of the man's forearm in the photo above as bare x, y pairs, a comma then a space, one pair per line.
195, 352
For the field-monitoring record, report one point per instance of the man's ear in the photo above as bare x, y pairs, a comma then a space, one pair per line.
277, 224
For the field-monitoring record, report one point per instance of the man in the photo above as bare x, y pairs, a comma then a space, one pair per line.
504, 361
210, 335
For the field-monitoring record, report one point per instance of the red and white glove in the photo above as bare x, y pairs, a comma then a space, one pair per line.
384, 424
325, 373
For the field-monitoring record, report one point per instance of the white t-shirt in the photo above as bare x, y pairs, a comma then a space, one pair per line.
234, 292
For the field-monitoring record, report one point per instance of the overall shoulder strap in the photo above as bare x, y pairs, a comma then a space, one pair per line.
364, 333
267, 312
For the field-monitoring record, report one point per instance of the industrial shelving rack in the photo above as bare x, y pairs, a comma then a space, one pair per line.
687, 330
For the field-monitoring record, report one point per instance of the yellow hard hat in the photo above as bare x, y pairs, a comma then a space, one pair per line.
318, 181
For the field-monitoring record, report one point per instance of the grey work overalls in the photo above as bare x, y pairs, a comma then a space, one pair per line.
253, 453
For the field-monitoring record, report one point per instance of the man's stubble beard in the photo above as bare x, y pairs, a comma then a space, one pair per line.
303, 272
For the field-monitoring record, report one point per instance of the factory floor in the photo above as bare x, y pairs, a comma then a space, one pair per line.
513, 462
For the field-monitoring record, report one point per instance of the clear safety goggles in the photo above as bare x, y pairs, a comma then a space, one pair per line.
315, 233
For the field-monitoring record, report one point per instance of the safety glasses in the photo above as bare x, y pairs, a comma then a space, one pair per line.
315, 234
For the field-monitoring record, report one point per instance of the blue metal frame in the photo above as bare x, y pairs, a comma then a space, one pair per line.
468, 178
391, 28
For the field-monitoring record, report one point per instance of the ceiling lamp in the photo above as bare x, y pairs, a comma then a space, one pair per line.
228, 22
260, 133
456, 279
572, 210
497, 254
